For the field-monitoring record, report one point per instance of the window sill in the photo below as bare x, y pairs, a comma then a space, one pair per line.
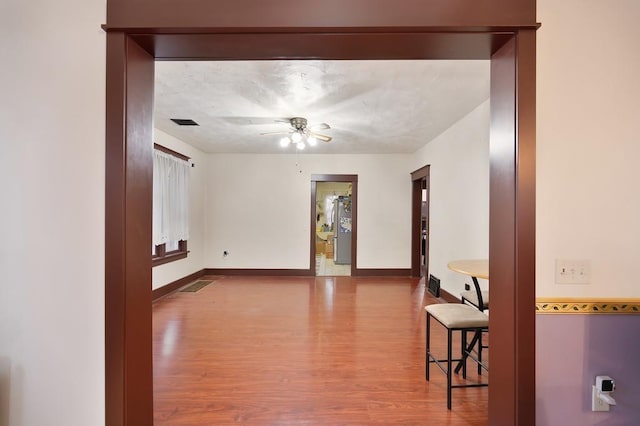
169, 257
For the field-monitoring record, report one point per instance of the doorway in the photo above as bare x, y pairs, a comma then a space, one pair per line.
333, 208
130, 56
334, 225
420, 188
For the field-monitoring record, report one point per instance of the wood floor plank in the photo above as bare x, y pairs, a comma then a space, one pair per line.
303, 350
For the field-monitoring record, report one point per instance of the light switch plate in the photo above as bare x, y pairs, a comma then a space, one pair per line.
573, 271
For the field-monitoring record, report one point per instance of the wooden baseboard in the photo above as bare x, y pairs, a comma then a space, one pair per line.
176, 285
400, 272
389, 272
261, 272
448, 297
161, 292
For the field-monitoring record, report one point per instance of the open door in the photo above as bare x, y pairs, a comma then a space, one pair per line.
420, 222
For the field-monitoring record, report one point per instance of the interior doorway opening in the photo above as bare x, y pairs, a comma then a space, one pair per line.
128, 122
334, 225
424, 229
333, 212
420, 222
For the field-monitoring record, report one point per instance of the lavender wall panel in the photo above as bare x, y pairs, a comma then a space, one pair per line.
571, 350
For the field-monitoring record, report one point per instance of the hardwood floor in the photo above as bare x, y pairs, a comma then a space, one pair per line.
302, 351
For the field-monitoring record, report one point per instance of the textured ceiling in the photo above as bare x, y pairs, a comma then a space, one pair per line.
371, 106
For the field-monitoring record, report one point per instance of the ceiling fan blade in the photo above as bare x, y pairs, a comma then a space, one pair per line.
245, 121
284, 132
319, 126
323, 138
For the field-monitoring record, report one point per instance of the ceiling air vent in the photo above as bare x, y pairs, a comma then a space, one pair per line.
184, 122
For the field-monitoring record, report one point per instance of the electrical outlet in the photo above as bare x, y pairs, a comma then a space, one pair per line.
597, 404
573, 271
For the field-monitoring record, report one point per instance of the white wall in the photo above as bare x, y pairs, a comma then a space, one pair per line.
52, 97
459, 196
169, 272
588, 145
259, 209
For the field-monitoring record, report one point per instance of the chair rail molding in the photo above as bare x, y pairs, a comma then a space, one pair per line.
557, 305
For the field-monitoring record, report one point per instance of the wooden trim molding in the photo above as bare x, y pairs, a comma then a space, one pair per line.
448, 297
387, 272
587, 306
334, 178
423, 30
170, 152
260, 272
166, 289
128, 216
512, 216
162, 256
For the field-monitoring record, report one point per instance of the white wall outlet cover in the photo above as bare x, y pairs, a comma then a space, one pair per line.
597, 404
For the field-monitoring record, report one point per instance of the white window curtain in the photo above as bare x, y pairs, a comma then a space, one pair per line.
170, 198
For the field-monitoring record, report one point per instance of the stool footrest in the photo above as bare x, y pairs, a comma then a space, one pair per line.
475, 358
439, 362
471, 385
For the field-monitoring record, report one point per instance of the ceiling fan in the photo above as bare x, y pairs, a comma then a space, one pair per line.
301, 135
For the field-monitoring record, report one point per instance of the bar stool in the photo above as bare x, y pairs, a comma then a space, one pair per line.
480, 300
455, 317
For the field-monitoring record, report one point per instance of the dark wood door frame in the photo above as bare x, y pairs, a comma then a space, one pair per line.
417, 178
128, 215
353, 180
130, 53
512, 230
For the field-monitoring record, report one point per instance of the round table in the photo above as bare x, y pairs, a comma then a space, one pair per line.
475, 268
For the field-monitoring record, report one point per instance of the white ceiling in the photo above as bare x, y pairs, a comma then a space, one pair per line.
371, 106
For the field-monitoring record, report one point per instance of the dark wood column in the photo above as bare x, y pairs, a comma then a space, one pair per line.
129, 171
512, 232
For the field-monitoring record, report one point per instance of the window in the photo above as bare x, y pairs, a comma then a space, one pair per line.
170, 205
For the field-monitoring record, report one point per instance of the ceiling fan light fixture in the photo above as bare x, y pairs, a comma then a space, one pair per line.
300, 135
296, 137
285, 141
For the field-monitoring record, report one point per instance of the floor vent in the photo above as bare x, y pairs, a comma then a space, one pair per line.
184, 122
434, 286
198, 285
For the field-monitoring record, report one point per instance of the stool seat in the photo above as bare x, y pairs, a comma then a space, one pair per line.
463, 319
456, 315
472, 297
